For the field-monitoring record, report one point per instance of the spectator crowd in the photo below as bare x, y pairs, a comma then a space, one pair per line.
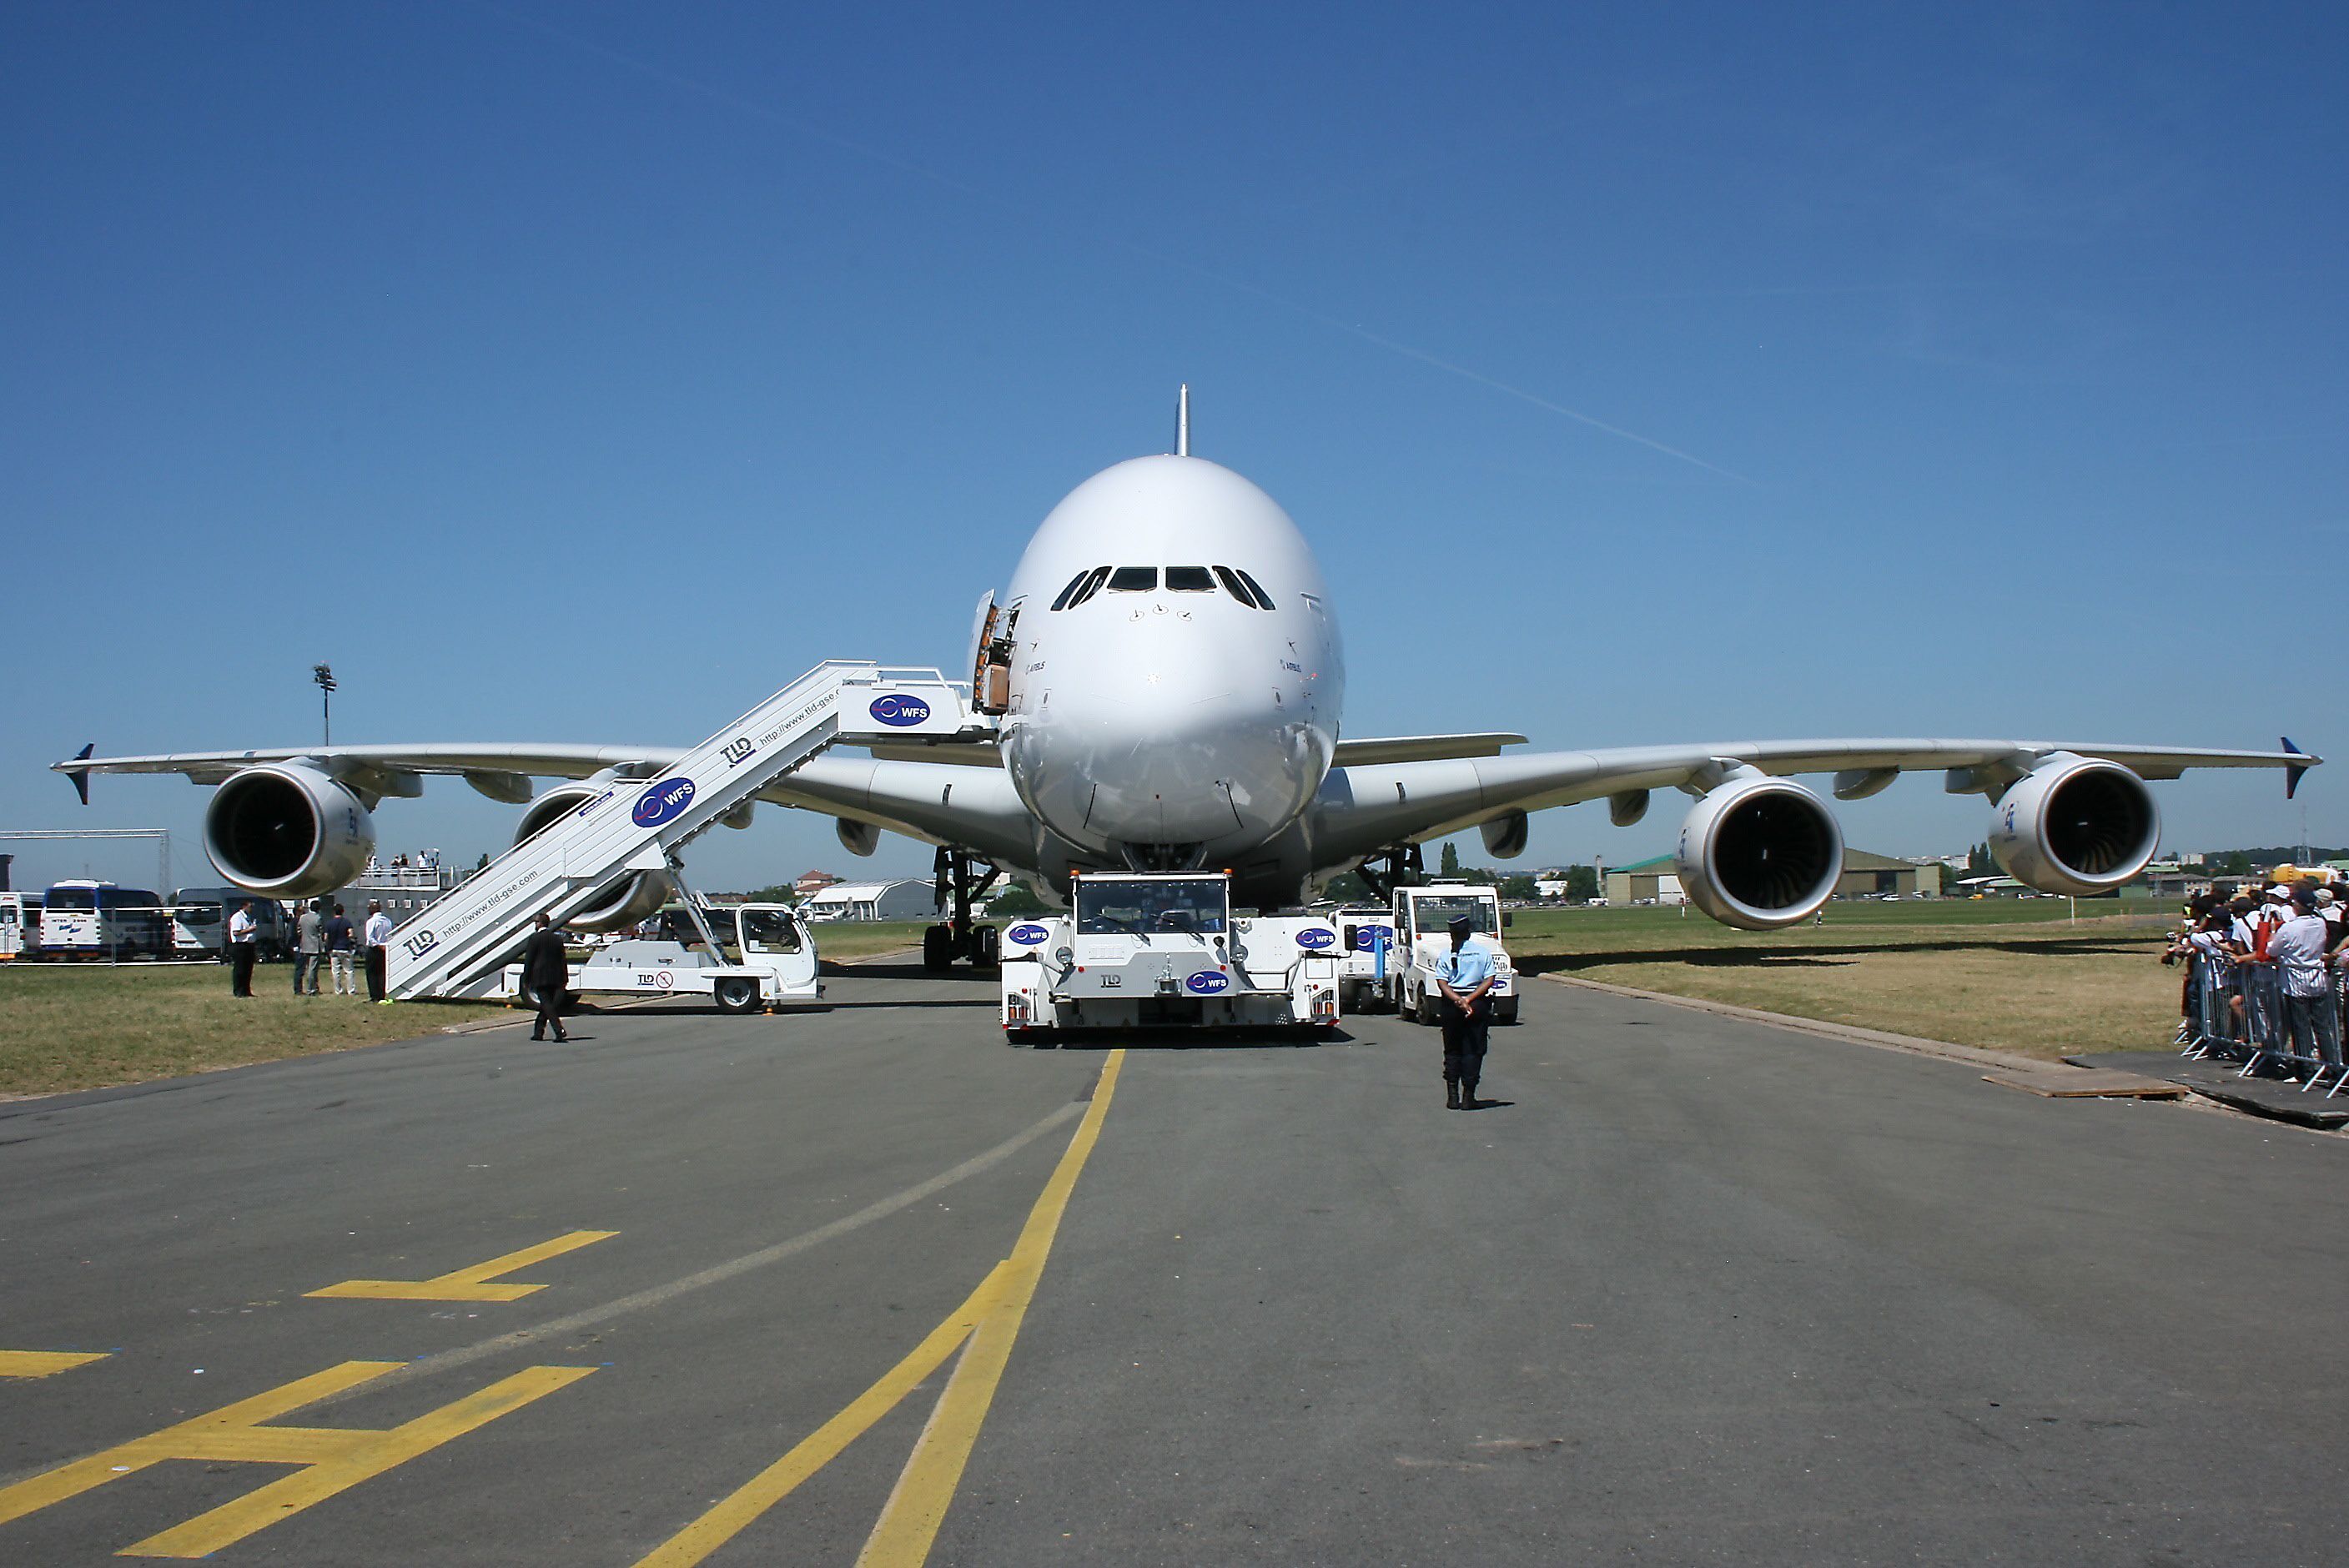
2265, 972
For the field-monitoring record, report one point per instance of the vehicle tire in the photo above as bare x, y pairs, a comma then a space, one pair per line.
736, 993
1506, 1011
937, 948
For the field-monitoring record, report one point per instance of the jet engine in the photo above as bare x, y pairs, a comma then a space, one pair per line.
632, 897
1758, 852
2075, 825
287, 830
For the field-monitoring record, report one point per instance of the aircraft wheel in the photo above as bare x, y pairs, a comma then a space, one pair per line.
736, 993
937, 948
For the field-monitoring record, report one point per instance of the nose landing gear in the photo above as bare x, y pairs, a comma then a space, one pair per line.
1404, 868
961, 880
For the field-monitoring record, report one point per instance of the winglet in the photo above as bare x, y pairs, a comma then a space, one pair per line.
2291, 776
80, 776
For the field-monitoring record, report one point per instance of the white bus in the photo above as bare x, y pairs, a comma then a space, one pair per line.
99, 920
20, 924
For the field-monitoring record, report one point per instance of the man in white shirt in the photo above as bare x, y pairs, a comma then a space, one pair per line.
378, 943
240, 949
2310, 1031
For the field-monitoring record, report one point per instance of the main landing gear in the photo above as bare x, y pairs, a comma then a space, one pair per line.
960, 879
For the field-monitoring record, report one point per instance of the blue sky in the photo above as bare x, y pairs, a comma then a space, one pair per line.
1642, 374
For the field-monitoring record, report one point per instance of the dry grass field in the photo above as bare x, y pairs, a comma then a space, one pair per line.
2011, 975
67, 1026
71, 1027
2014, 976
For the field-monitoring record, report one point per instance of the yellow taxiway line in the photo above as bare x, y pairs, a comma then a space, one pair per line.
466, 1284
43, 1363
988, 1321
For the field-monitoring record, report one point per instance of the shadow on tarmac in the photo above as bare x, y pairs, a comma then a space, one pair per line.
1170, 1039
1810, 958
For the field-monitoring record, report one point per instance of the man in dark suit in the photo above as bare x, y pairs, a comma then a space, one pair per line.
546, 969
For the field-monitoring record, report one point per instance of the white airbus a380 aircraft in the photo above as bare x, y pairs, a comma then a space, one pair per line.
1171, 678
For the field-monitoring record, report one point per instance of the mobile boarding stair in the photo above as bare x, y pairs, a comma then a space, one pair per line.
455, 946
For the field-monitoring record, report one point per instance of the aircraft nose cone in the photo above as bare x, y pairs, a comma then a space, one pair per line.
1188, 740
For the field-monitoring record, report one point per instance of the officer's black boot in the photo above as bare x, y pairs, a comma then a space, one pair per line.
1451, 1094
1468, 1095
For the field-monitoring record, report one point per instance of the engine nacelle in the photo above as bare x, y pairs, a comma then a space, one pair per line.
1758, 853
624, 901
2075, 825
287, 830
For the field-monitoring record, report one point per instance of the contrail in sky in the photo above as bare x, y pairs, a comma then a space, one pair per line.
745, 106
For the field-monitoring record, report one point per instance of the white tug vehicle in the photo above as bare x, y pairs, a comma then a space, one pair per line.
1419, 928
777, 963
1141, 950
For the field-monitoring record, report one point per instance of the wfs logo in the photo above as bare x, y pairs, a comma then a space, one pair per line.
1315, 938
1207, 982
900, 711
1367, 938
661, 802
1026, 935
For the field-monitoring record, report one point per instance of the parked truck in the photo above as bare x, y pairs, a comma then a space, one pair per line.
1144, 950
773, 960
1392, 952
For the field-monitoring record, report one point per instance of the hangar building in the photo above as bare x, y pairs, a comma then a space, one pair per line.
912, 899
1658, 880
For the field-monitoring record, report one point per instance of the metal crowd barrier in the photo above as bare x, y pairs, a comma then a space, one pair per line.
2298, 1037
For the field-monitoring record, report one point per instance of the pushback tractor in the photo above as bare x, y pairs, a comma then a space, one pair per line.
1161, 950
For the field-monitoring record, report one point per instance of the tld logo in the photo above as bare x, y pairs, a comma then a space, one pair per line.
899, 710
1208, 982
1026, 935
1315, 938
661, 802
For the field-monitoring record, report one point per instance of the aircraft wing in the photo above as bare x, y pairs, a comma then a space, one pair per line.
1376, 748
947, 801
493, 768
1362, 810
1422, 747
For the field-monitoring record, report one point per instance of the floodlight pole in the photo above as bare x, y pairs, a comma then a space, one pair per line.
324, 677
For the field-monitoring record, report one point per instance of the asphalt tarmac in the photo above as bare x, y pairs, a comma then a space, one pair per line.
867, 1280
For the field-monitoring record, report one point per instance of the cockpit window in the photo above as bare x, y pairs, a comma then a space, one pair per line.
1071, 591
1134, 580
1092, 586
1235, 587
1263, 599
1189, 580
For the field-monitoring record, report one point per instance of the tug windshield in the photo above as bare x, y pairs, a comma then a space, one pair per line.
1434, 915
1186, 906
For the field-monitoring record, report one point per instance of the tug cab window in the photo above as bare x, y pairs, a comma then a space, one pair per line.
769, 931
1189, 580
1134, 580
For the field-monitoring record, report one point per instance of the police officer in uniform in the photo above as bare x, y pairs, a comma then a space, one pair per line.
1464, 976
546, 969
